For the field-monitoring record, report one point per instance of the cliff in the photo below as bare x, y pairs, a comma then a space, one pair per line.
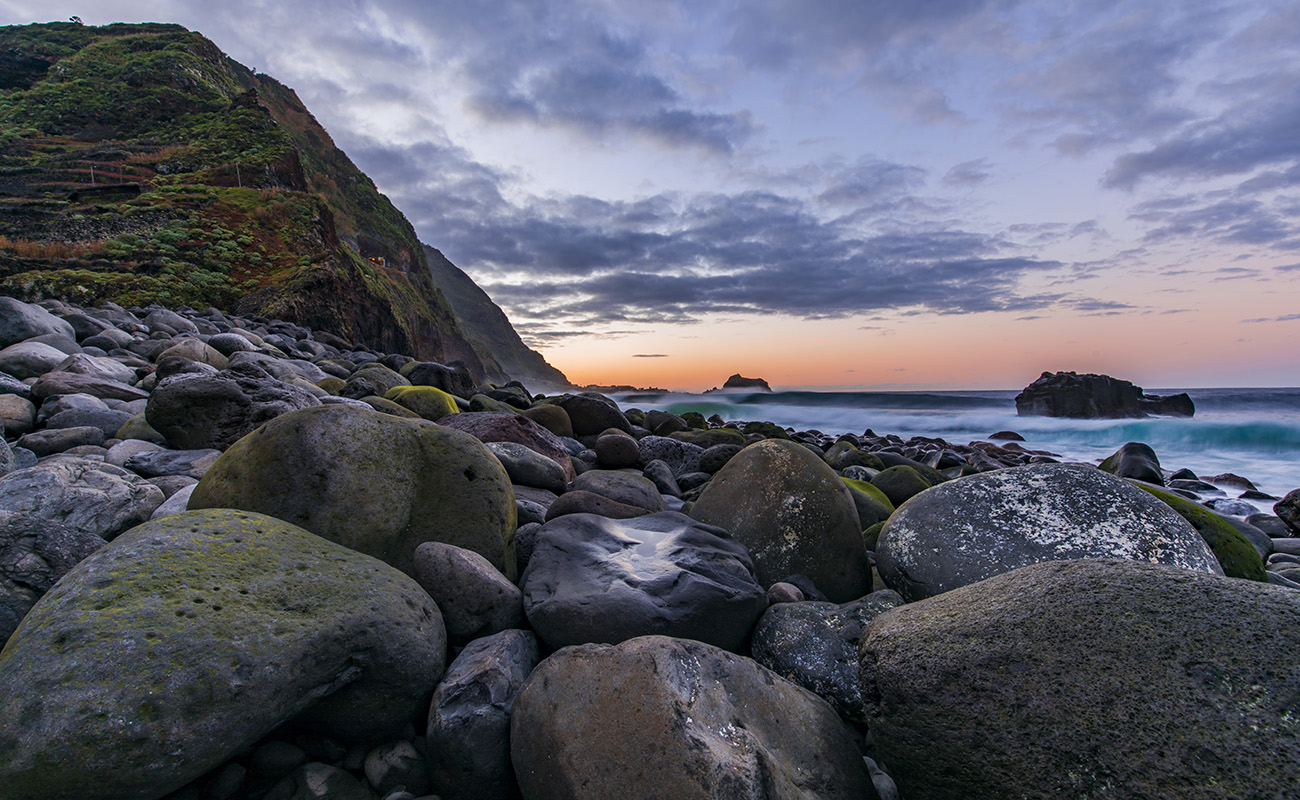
138, 164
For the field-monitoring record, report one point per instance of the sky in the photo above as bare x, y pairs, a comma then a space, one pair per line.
829, 194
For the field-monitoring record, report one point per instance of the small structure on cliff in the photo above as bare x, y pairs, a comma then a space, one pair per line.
1090, 396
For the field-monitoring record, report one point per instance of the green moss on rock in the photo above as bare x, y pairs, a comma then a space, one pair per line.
1235, 553
429, 402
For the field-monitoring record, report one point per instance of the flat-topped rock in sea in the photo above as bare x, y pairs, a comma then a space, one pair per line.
1092, 396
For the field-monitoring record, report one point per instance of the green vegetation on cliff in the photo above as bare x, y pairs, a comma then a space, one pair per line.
140, 164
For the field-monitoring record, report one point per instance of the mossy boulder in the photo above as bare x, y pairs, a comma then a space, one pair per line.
872, 504
769, 429
332, 384
900, 483
551, 417
189, 638
793, 513
378, 484
429, 402
1235, 553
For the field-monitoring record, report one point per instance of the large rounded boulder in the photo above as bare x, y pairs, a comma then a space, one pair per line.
973, 528
1091, 678
662, 717
795, 515
594, 579
189, 638
376, 483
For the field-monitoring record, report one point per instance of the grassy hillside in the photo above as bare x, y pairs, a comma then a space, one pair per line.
140, 164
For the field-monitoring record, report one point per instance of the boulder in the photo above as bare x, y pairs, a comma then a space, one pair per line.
90, 496
594, 579
427, 401
19, 321
58, 440
815, 644
34, 553
195, 350
681, 457
468, 733
1235, 553
1288, 510
982, 525
899, 483
30, 359
196, 411
474, 597
379, 484
17, 414
1137, 461
591, 413
55, 383
617, 451
662, 717
872, 504
372, 379
1091, 678
187, 639
106, 368
794, 514
552, 418
156, 463
528, 467
622, 487
509, 427
579, 501
453, 379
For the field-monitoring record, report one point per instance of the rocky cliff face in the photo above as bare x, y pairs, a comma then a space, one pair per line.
138, 164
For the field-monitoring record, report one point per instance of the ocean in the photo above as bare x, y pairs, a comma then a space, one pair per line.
1254, 433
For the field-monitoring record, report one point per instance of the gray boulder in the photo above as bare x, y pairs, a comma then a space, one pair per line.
17, 414
794, 514
34, 553
1137, 461
681, 457
1288, 510
1088, 678
156, 463
55, 383
19, 321
591, 413
468, 733
474, 597
58, 440
506, 426
982, 525
661, 717
528, 467
30, 359
196, 411
594, 579
189, 638
105, 368
815, 645
90, 496
621, 487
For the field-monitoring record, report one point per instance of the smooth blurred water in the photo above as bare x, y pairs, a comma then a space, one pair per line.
1251, 432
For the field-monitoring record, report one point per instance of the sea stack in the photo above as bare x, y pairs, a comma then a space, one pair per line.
1091, 396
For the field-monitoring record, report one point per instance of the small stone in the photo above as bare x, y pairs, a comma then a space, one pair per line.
475, 598
396, 764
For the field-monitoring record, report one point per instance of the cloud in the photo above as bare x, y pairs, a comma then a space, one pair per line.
650, 355
969, 173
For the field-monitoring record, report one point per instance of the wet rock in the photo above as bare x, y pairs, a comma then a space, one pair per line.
815, 644
982, 525
594, 579
1088, 679
661, 717
468, 732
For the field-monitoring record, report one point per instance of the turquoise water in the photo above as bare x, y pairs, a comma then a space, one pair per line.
1251, 432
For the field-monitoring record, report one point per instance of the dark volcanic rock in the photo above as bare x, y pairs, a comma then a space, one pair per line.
672, 718
1088, 679
88, 495
197, 412
1090, 396
982, 525
1137, 461
469, 717
503, 426
738, 382
591, 413
593, 579
815, 645
34, 553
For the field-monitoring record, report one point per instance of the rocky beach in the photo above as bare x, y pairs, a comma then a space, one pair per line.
242, 558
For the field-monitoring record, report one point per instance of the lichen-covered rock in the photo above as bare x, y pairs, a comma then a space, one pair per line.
469, 717
187, 639
815, 644
662, 717
794, 514
1088, 678
196, 411
982, 525
594, 579
88, 495
372, 482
